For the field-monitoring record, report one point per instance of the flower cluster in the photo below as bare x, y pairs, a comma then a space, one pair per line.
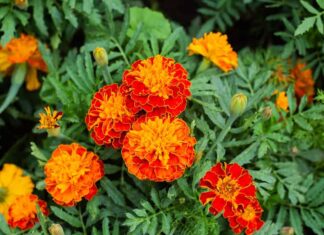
23, 50
231, 190
215, 47
71, 174
17, 203
140, 116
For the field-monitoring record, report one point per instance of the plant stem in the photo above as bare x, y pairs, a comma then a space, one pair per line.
107, 75
82, 223
120, 50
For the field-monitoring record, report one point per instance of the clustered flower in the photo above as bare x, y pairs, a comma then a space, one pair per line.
23, 50
140, 117
230, 189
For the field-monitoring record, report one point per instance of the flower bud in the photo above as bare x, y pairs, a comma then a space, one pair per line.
287, 231
56, 229
100, 56
266, 112
22, 4
55, 132
182, 200
238, 104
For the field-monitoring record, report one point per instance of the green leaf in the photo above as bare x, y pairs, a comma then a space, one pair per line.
184, 186
4, 226
170, 41
75, 222
155, 197
319, 24
309, 7
112, 191
296, 221
38, 15
37, 153
302, 122
247, 155
320, 3
166, 223
42, 220
305, 25
154, 23
311, 222
87, 6
8, 28
105, 226
117, 5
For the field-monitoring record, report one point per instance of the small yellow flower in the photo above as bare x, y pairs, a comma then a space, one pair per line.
48, 120
100, 56
282, 101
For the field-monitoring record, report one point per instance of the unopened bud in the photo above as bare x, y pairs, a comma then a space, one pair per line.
287, 231
294, 150
182, 200
267, 112
238, 104
22, 4
56, 229
54, 132
100, 55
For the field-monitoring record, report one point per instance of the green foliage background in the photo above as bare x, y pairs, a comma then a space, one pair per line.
286, 157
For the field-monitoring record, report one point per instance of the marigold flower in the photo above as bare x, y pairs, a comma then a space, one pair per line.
304, 82
157, 85
71, 174
108, 117
12, 184
158, 148
22, 4
23, 212
48, 120
229, 186
282, 101
23, 50
215, 47
248, 218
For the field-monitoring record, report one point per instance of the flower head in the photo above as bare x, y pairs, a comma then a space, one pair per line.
304, 82
108, 117
48, 120
23, 213
215, 47
12, 184
157, 85
23, 50
229, 186
158, 148
248, 218
71, 174
282, 101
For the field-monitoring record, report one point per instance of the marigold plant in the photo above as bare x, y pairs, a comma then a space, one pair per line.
22, 212
158, 148
71, 174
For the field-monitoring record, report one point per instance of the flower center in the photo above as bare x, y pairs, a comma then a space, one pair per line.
157, 139
227, 188
156, 74
113, 107
249, 213
3, 194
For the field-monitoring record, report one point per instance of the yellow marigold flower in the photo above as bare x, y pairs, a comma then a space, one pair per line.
282, 101
71, 174
48, 120
215, 47
12, 184
23, 50
158, 148
23, 213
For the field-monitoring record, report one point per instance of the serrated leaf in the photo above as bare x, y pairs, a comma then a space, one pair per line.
170, 41
281, 190
320, 3
105, 226
155, 197
302, 123
306, 24
75, 222
37, 153
117, 5
319, 24
166, 223
38, 15
263, 149
309, 7
112, 191
247, 155
4, 226
8, 28
296, 221
311, 222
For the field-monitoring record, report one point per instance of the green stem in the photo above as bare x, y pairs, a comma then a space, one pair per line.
204, 104
121, 50
204, 64
107, 75
82, 223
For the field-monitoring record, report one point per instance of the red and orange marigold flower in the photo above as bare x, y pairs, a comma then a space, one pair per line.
108, 117
157, 85
23, 213
23, 50
230, 189
71, 174
304, 82
215, 47
158, 148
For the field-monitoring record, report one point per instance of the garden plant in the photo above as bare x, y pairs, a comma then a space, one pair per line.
184, 117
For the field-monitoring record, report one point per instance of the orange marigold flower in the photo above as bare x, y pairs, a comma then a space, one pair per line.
248, 218
229, 186
108, 117
23, 50
282, 101
157, 85
71, 174
48, 120
304, 82
158, 148
23, 213
13, 183
215, 47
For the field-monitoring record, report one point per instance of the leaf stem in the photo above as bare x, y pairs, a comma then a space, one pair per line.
82, 223
121, 50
